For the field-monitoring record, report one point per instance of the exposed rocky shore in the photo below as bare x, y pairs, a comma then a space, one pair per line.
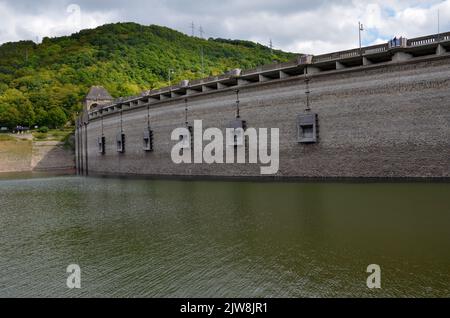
19, 153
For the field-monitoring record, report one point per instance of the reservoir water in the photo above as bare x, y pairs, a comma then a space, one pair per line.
150, 238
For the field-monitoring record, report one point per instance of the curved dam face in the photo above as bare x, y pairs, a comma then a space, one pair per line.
390, 120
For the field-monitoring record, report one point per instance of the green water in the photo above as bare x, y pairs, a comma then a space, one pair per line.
146, 238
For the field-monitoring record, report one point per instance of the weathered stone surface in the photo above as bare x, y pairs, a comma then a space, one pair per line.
51, 156
388, 120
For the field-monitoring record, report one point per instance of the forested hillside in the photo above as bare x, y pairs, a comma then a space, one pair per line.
44, 84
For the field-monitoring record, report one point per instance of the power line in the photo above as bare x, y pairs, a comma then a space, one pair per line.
193, 28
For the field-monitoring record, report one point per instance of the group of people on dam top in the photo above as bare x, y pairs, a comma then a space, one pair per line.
395, 42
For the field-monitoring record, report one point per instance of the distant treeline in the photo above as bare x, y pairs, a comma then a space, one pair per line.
44, 84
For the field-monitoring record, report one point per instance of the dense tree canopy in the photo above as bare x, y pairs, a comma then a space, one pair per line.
45, 83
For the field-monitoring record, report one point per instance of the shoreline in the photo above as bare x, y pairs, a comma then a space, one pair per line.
276, 179
11, 175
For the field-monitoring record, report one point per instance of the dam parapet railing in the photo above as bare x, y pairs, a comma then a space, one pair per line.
396, 50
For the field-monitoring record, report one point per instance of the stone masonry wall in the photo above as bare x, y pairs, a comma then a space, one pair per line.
381, 121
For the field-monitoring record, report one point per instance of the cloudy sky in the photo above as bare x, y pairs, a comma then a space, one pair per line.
305, 26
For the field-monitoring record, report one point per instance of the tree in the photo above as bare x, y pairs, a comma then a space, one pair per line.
42, 118
9, 116
125, 58
56, 117
18, 106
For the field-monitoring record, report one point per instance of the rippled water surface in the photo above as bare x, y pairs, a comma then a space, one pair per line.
146, 238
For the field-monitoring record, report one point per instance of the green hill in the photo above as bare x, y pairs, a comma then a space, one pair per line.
44, 84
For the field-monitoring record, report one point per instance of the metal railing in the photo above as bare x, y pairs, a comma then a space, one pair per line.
323, 58
429, 39
203, 80
350, 53
375, 49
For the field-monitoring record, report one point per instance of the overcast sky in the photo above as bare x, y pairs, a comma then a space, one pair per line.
305, 26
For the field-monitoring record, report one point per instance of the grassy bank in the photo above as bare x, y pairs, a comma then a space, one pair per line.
61, 135
5, 137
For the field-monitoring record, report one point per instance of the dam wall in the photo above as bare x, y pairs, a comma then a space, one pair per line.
385, 119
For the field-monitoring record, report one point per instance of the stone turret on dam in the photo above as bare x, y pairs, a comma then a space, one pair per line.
377, 112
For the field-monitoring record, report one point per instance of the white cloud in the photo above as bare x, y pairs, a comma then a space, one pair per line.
57, 21
294, 25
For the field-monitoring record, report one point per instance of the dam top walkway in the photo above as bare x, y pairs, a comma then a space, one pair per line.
395, 51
